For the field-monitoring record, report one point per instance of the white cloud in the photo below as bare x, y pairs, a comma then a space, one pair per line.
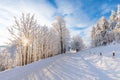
44, 13
75, 15
8, 9
65, 6
106, 8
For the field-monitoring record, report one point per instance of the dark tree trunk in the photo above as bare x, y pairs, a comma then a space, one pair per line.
23, 59
64, 50
113, 54
61, 46
77, 50
61, 39
26, 55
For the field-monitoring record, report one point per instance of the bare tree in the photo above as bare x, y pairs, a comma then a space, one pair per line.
23, 35
77, 43
62, 32
33, 42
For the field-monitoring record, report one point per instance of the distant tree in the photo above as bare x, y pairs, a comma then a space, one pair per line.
6, 62
77, 43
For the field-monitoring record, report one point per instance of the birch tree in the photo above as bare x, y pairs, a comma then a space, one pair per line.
22, 33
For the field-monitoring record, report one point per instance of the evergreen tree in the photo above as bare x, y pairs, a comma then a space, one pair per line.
112, 20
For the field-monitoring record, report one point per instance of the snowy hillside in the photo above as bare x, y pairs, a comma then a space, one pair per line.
107, 63
84, 65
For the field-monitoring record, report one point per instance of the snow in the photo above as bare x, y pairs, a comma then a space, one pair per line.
107, 63
60, 67
84, 65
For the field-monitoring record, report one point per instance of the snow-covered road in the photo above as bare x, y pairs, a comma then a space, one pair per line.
61, 67
85, 65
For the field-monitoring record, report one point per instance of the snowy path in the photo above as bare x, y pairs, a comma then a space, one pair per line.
61, 67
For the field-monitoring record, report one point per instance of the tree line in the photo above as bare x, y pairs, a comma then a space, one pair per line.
33, 42
105, 31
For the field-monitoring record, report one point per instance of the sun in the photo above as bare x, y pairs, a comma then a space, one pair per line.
25, 41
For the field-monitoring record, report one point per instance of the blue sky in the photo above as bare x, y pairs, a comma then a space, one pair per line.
80, 15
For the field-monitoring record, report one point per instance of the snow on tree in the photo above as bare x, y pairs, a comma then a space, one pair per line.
100, 32
109, 37
62, 33
53, 46
23, 34
47, 41
93, 35
117, 29
107, 32
112, 20
77, 43
6, 62
118, 16
117, 34
33, 42
103, 23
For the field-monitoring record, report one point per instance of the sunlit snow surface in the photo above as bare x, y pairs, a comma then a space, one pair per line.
84, 65
61, 67
107, 63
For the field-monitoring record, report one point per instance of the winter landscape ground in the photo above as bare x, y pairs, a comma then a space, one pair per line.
84, 65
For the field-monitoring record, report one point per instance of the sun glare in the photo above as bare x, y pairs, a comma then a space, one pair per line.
25, 41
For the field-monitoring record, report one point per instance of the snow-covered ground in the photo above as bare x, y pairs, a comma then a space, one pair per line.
84, 65
107, 63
